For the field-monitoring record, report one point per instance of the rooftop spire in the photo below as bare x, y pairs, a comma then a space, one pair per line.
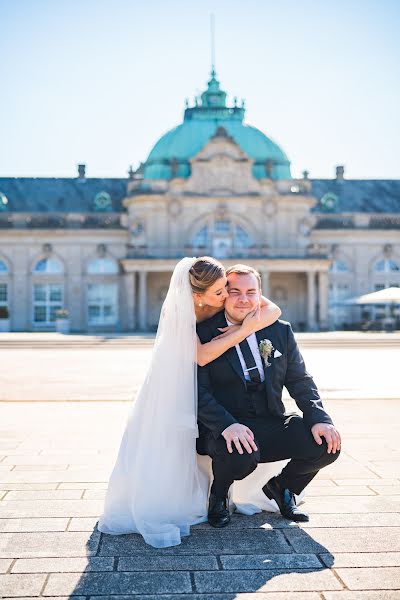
212, 31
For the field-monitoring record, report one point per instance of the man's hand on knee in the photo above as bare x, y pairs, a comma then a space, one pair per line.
240, 435
330, 433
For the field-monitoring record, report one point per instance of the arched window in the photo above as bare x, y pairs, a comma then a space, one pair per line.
338, 266
386, 265
48, 265
201, 237
222, 238
242, 238
102, 266
3, 267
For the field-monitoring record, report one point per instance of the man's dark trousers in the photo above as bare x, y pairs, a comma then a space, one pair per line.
276, 438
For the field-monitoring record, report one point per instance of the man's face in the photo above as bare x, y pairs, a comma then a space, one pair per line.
244, 295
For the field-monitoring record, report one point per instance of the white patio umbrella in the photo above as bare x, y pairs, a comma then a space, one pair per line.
389, 295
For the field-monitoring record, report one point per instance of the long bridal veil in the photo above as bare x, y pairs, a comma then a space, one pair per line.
156, 488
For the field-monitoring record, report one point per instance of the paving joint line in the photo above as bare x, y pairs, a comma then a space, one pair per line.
68, 524
340, 580
9, 570
192, 582
44, 584
97, 553
291, 547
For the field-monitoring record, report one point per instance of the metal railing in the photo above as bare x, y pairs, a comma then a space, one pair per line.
253, 252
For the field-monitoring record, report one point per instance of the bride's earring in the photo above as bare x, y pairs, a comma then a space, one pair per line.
200, 304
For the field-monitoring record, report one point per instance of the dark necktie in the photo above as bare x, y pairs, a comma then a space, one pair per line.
251, 366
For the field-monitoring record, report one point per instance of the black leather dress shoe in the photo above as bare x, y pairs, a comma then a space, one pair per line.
218, 511
285, 500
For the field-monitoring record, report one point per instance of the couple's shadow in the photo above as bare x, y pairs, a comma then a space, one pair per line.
252, 554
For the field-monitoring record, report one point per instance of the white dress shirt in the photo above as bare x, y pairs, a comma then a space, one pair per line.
252, 341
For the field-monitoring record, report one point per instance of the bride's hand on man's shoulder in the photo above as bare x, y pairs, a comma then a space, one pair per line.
239, 435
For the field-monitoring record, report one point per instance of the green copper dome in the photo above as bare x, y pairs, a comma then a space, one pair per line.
171, 154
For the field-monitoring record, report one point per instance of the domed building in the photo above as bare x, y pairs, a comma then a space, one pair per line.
104, 249
171, 155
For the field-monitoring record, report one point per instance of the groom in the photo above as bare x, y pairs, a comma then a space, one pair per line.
242, 419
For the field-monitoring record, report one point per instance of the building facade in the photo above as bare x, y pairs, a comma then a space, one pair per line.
104, 249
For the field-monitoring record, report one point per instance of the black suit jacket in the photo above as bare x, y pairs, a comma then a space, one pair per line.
222, 385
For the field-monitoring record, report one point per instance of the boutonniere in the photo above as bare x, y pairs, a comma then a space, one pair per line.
265, 347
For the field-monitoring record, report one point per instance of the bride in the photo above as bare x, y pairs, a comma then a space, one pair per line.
158, 488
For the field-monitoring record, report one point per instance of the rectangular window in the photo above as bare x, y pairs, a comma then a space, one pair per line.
102, 302
3, 294
47, 298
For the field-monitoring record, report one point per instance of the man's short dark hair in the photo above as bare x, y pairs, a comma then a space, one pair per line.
240, 269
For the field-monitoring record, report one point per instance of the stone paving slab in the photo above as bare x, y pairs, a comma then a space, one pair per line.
373, 539
28, 486
364, 559
168, 563
27, 524
216, 596
87, 485
45, 494
51, 476
352, 490
356, 505
386, 490
369, 595
49, 508
24, 545
382, 578
256, 581
271, 562
371, 482
82, 523
21, 585
390, 519
54, 597
118, 583
64, 565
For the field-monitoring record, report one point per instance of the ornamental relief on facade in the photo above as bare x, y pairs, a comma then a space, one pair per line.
222, 169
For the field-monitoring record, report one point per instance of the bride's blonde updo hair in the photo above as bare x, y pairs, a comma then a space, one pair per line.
204, 272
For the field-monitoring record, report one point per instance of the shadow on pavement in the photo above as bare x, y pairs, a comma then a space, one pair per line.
257, 553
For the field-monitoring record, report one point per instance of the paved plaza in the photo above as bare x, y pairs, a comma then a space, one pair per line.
63, 406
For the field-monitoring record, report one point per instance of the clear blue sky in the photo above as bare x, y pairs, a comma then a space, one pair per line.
99, 81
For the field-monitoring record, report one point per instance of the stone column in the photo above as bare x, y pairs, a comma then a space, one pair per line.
20, 291
265, 283
311, 309
323, 299
142, 300
130, 300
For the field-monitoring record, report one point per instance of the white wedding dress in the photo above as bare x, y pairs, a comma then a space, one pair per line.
159, 485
